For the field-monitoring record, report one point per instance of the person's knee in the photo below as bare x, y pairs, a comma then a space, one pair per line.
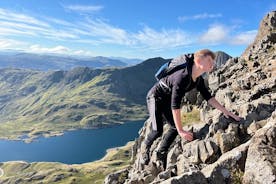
172, 130
157, 133
154, 134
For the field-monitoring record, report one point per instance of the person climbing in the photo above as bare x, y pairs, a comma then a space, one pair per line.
164, 100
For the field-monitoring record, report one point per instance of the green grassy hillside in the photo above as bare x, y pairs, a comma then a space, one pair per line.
58, 173
33, 103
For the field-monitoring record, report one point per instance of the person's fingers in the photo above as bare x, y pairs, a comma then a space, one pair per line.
235, 117
226, 116
189, 137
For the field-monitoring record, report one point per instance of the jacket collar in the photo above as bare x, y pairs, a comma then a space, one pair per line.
190, 61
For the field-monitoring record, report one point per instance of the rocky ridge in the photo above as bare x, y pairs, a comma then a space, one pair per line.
224, 151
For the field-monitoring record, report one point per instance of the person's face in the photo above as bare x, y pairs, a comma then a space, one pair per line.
207, 63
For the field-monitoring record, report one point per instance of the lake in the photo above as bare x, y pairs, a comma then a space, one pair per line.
74, 147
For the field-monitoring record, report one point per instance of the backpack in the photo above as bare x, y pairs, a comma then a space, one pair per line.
173, 66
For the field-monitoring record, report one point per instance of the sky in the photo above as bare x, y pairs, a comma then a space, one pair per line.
130, 28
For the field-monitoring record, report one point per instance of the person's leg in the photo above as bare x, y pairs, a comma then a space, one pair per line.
169, 137
156, 126
155, 119
171, 133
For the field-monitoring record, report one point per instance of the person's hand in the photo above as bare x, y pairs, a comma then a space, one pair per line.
186, 135
235, 117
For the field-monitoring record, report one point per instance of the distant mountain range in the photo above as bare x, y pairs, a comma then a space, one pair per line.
48, 62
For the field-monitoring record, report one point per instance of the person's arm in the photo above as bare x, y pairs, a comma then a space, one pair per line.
214, 103
177, 120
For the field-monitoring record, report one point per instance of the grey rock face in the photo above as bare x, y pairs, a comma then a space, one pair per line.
115, 178
195, 177
260, 164
265, 40
222, 170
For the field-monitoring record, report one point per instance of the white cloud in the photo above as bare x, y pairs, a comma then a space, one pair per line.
9, 31
10, 44
244, 38
215, 34
199, 16
98, 32
17, 17
84, 8
222, 34
59, 21
58, 50
89, 31
104, 32
161, 39
83, 53
14, 24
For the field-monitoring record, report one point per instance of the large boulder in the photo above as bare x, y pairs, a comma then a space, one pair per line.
195, 177
200, 151
224, 169
260, 164
117, 177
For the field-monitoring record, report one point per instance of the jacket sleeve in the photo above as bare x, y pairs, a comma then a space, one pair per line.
203, 89
177, 93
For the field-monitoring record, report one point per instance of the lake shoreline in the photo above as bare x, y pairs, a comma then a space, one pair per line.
48, 171
48, 134
85, 145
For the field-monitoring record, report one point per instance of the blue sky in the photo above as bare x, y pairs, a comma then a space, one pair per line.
130, 28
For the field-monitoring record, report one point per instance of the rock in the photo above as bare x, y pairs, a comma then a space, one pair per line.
174, 153
253, 127
200, 151
215, 78
195, 177
265, 38
170, 172
58, 177
149, 178
207, 116
200, 130
117, 177
184, 165
219, 122
260, 164
221, 58
38, 176
221, 171
227, 141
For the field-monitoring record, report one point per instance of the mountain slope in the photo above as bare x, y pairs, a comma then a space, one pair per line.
35, 102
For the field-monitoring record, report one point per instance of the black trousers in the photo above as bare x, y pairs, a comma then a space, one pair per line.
160, 112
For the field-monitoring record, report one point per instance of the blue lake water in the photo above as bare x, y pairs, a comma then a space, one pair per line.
73, 147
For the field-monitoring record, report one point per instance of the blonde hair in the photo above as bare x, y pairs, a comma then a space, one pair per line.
205, 52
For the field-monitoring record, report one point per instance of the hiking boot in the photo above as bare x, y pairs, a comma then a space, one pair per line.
162, 157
